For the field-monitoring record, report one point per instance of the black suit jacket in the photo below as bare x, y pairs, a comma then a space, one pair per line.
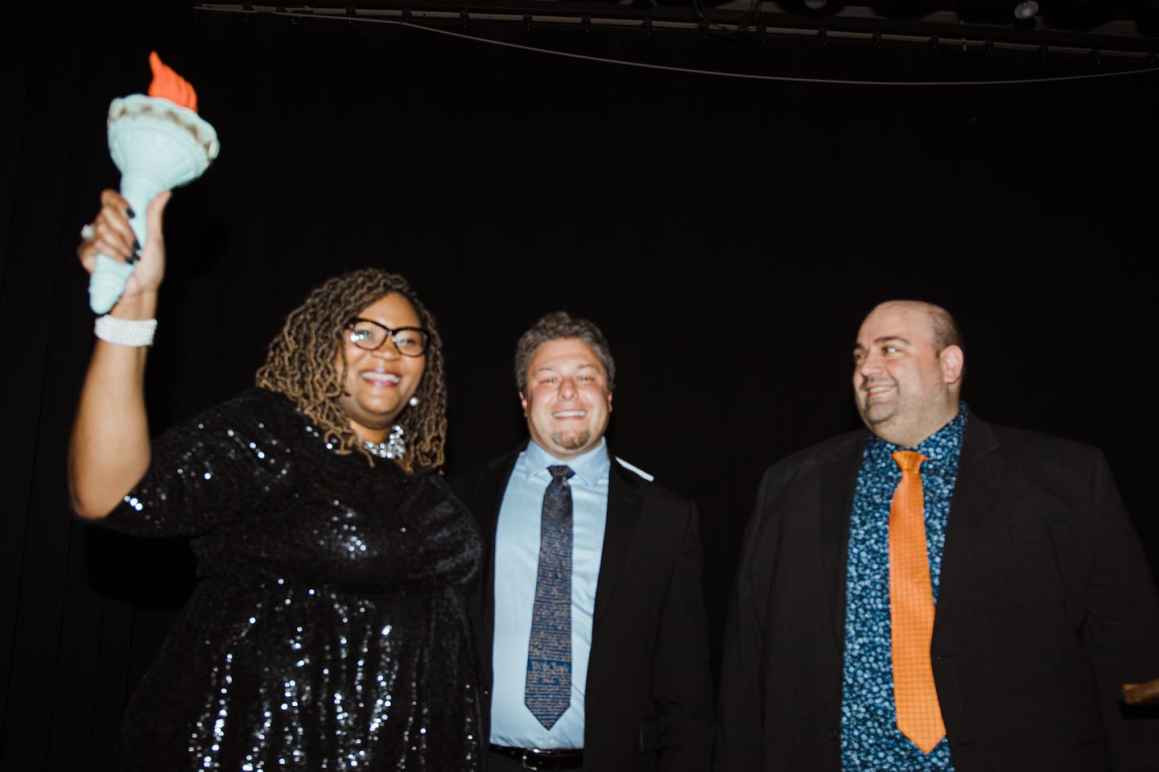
1046, 605
648, 703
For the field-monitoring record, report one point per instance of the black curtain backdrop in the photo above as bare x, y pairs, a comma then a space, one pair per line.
728, 235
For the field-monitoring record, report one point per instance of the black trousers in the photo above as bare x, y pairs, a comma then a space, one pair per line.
497, 762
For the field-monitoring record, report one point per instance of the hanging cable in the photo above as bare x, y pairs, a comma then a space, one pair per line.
346, 19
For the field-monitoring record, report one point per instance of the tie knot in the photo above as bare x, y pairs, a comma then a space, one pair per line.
561, 472
908, 460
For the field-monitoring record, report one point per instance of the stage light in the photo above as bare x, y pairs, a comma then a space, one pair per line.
1026, 10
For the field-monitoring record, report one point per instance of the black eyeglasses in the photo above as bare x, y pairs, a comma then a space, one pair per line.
370, 335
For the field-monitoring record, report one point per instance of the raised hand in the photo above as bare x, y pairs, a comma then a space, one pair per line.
110, 234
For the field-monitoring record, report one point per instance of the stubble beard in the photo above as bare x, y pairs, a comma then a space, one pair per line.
572, 440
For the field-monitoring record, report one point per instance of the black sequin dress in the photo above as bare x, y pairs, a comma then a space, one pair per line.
328, 629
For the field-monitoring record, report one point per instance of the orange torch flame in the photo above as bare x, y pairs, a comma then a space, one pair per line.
167, 84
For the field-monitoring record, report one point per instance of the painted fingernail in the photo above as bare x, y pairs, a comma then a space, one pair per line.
136, 245
134, 258
129, 211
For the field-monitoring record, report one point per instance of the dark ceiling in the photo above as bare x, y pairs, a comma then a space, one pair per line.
886, 40
1105, 25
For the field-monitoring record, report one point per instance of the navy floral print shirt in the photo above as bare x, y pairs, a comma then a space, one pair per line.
870, 740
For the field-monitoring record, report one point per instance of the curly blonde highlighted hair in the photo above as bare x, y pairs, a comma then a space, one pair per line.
300, 365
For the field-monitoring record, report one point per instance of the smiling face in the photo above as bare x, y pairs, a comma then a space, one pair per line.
378, 384
566, 402
905, 387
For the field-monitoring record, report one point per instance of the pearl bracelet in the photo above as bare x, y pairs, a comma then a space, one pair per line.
126, 332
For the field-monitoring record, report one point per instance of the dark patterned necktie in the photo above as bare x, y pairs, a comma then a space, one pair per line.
547, 692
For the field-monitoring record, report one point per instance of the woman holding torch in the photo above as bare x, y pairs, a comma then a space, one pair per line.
327, 630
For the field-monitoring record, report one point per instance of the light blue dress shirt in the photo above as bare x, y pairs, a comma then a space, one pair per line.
516, 567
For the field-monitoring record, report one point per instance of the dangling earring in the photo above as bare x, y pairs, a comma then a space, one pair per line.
414, 401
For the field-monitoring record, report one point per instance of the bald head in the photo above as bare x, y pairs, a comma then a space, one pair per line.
907, 374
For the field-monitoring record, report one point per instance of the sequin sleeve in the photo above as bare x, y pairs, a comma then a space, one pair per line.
207, 471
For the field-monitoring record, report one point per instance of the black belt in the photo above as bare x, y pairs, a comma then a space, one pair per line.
543, 758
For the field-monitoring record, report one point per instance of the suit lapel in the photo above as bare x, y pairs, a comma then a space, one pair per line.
838, 481
491, 490
624, 506
973, 509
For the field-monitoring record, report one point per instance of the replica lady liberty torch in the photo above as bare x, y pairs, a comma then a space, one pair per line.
158, 142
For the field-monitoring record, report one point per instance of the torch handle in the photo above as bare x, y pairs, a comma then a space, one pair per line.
109, 276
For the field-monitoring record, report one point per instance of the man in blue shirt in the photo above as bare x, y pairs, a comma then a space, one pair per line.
590, 616
936, 593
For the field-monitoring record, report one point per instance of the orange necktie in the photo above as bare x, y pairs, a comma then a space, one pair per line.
911, 609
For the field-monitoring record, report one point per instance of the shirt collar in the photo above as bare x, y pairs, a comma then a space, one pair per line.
941, 448
590, 467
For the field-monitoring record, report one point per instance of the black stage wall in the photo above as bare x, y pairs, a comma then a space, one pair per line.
727, 234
